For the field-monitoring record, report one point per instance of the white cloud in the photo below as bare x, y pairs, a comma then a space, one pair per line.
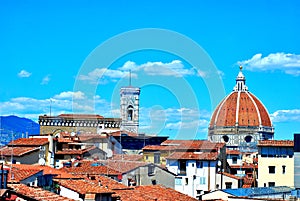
45, 80
24, 73
286, 115
60, 103
103, 75
286, 62
78, 95
129, 65
174, 68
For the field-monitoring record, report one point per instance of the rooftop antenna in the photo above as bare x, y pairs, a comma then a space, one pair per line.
50, 106
130, 77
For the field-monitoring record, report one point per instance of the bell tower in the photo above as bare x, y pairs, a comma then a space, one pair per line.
129, 105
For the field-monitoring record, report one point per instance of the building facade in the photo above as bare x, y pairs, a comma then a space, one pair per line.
297, 160
78, 123
275, 163
196, 172
129, 106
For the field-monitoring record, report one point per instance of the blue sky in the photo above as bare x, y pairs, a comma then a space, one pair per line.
53, 52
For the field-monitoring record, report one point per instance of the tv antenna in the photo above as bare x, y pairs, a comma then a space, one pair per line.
129, 77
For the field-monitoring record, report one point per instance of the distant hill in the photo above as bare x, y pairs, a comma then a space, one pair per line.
20, 127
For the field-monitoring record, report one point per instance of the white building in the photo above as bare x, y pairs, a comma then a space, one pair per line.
196, 171
275, 163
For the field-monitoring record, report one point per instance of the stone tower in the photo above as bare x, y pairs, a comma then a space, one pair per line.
130, 97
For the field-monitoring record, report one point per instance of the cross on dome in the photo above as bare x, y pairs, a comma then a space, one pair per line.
240, 81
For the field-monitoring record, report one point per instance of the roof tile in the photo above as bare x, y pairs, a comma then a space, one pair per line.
17, 151
29, 142
276, 143
84, 186
37, 193
210, 156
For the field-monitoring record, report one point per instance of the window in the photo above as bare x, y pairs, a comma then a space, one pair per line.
199, 164
228, 185
202, 180
130, 113
178, 180
157, 158
186, 181
283, 169
271, 184
271, 169
248, 138
182, 167
151, 169
234, 160
225, 138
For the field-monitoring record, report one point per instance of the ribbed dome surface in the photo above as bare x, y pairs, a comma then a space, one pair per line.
240, 108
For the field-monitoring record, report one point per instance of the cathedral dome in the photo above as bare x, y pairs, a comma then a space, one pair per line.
240, 113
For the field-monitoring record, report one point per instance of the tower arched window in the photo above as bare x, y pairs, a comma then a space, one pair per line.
130, 113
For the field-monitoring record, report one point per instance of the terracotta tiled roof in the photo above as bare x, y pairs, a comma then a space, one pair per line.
276, 143
111, 184
152, 193
160, 148
87, 137
233, 152
37, 193
90, 168
75, 151
61, 174
194, 144
211, 156
251, 111
244, 166
84, 186
64, 140
17, 151
161, 193
19, 175
128, 157
132, 195
122, 165
29, 142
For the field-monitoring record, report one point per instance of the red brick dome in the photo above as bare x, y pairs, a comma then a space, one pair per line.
241, 112
240, 109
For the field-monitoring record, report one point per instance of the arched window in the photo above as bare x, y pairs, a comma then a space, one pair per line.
130, 113
248, 138
225, 138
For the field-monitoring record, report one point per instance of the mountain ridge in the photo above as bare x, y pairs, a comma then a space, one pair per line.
19, 126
